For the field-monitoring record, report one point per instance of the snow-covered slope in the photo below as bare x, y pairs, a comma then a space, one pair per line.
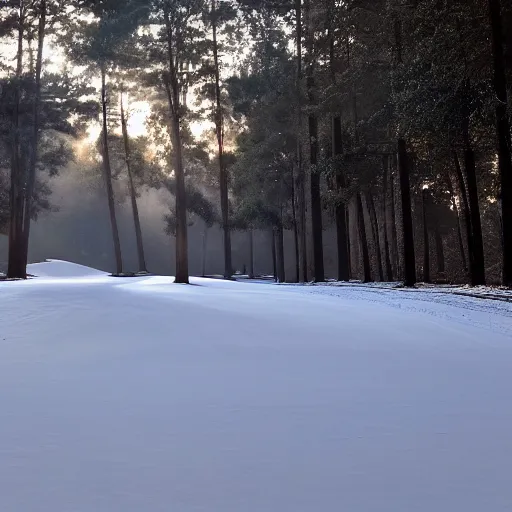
57, 268
123, 395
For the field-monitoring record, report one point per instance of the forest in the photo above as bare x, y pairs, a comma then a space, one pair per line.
371, 133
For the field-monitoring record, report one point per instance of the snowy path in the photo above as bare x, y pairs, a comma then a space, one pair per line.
135, 395
489, 314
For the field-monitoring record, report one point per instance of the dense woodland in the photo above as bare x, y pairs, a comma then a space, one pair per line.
381, 125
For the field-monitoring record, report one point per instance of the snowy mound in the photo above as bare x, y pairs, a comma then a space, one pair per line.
56, 268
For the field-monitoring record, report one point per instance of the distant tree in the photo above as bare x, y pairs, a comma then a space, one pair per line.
220, 14
314, 147
263, 174
95, 42
133, 192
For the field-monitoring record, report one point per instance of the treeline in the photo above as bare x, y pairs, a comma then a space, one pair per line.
381, 123
394, 126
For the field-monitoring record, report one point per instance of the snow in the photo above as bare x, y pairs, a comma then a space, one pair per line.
454, 305
482, 292
59, 269
123, 395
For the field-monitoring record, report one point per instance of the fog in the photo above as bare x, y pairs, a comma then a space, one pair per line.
78, 229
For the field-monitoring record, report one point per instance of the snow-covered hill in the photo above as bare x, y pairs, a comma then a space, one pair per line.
123, 395
57, 269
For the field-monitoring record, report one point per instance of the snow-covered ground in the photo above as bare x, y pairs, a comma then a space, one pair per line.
129, 395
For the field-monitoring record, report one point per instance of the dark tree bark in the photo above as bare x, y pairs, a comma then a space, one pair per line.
341, 219
301, 178
316, 205
342, 242
394, 235
337, 152
439, 251
407, 226
172, 88
400, 162
274, 256
281, 276
251, 254
478, 273
182, 275
34, 144
295, 233
387, 257
16, 269
466, 212
349, 255
363, 241
219, 127
107, 174
133, 194
316, 200
353, 230
459, 223
503, 135
375, 233
426, 244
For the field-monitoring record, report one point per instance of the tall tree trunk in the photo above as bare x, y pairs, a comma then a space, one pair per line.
363, 241
407, 225
466, 213
426, 245
349, 254
403, 269
341, 220
439, 252
274, 256
394, 235
478, 274
355, 246
301, 176
107, 174
16, 269
316, 200
375, 232
182, 275
34, 143
219, 127
342, 242
172, 87
337, 152
316, 205
295, 233
251, 254
205, 249
459, 223
503, 135
387, 259
281, 276
133, 195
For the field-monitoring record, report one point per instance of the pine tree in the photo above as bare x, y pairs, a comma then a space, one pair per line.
95, 43
217, 17
33, 102
503, 134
